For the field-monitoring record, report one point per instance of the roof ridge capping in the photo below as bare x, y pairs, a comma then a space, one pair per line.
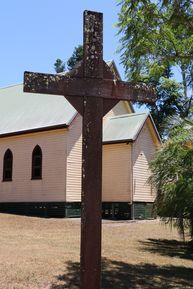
11, 85
130, 115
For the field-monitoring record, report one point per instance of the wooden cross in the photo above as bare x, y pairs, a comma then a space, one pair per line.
93, 91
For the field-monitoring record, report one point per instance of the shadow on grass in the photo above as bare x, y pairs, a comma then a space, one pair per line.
120, 275
171, 248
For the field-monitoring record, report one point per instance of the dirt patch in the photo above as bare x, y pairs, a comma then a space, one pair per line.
44, 253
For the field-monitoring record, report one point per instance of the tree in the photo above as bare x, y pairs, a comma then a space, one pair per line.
172, 176
156, 37
76, 57
59, 66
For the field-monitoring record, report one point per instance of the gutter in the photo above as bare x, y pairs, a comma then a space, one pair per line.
117, 141
33, 130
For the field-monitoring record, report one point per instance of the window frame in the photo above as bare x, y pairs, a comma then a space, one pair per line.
8, 166
36, 157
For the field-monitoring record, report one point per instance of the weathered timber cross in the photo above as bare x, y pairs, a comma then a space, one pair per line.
93, 91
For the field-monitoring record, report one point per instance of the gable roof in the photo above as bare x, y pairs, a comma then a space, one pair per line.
20, 112
27, 112
125, 128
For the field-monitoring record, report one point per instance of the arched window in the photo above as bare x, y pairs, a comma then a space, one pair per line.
7, 165
37, 163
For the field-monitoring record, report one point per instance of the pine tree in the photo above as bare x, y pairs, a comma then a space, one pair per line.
59, 66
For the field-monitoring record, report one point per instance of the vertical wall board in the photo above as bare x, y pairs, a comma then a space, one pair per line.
143, 211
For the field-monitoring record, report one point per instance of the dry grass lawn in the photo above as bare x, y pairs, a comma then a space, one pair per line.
44, 253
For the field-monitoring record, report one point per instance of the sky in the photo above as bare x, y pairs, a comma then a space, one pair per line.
35, 33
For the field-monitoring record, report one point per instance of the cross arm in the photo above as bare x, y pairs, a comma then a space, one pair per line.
91, 87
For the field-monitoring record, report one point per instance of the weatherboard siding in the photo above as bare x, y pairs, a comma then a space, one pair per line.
74, 161
143, 150
51, 188
116, 183
120, 108
74, 154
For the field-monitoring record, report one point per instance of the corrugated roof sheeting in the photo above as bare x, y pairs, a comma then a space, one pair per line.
21, 111
123, 127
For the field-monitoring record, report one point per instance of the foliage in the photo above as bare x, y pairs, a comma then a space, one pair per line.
157, 36
77, 56
59, 66
172, 176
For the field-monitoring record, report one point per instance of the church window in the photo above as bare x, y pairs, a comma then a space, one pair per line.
7, 166
37, 163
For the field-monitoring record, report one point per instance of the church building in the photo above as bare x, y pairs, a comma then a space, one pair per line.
40, 157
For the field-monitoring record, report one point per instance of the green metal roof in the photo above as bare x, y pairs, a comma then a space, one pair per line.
21, 111
123, 127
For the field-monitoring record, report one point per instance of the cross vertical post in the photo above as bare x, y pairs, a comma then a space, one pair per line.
92, 157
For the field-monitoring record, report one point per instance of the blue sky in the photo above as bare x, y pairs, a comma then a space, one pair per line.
35, 33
